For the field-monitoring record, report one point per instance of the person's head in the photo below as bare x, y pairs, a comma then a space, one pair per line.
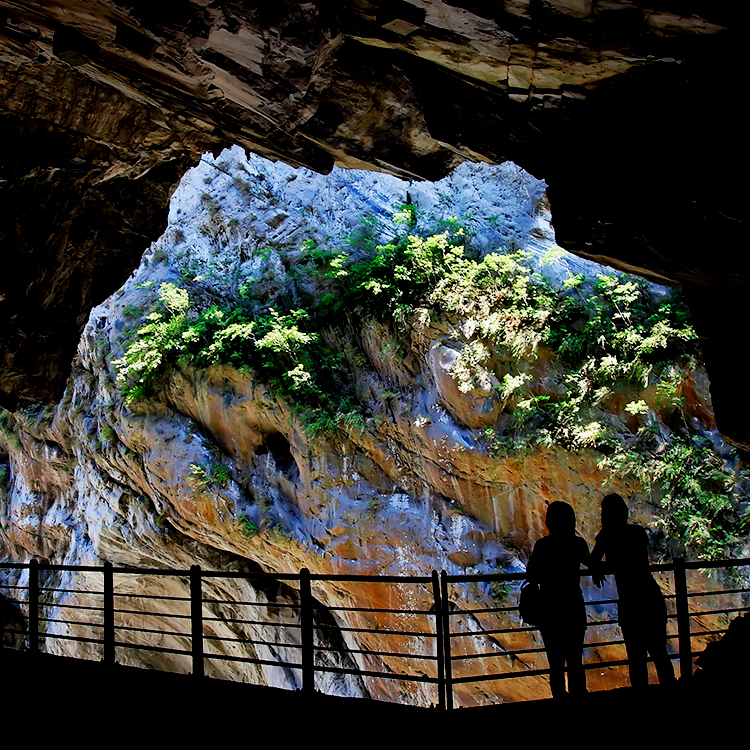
614, 511
561, 518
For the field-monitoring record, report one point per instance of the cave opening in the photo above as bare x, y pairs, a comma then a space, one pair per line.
401, 375
361, 299
277, 446
382, 387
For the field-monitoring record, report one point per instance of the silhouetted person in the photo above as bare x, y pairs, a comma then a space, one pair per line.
555, 564
641, 609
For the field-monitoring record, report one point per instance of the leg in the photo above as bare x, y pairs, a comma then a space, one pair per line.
635, 644
556, 660
657, 649
574, 660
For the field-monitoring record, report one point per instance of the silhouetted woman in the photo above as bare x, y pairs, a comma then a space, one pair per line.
641, 610
555, 564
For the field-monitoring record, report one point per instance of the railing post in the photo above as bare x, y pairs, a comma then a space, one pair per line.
34, 607
108, 615
446, 641
439, 639
684, 642
196, 619
306, 631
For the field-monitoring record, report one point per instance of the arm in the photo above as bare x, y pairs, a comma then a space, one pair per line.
532, 566
530, 569
595, 563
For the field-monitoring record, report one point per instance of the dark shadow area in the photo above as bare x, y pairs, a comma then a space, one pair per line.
725, 664
11, 619
178, 706
278, 446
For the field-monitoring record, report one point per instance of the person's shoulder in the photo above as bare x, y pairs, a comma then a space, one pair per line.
544, 547
542, 543
636, 532
602, 536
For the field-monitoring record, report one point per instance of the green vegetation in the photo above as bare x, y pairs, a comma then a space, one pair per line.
695, 486
499, 591
247, 526
8, 433
282, 348
616, 340
201, 479
108, 435
606, 342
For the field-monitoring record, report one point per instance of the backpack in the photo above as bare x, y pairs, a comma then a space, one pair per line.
530, 603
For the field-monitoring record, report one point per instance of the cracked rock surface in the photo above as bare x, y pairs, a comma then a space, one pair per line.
628, 110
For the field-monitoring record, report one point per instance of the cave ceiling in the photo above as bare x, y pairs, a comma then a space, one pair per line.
629, 110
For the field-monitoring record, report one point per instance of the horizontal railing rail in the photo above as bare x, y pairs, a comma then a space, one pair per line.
451, 636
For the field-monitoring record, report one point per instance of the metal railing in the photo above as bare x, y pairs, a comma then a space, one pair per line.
690, 627
441, 644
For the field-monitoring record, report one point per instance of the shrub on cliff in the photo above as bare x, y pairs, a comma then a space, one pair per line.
276, 345
607, 338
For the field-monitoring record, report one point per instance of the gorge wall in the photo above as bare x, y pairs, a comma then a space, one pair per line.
415, 459
628, 110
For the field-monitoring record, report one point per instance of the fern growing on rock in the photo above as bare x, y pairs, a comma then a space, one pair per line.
559, 360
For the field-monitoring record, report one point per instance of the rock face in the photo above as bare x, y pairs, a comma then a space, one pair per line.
217, 468
616, 105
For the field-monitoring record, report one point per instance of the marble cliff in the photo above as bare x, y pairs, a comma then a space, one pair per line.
628, 109
216, 464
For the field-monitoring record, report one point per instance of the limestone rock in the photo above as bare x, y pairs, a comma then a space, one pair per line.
629, 112
218, 469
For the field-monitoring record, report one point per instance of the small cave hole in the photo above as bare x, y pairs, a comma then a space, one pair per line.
73, 47
280, 450
134, 40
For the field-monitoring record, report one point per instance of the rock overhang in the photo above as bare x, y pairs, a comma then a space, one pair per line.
630, 114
